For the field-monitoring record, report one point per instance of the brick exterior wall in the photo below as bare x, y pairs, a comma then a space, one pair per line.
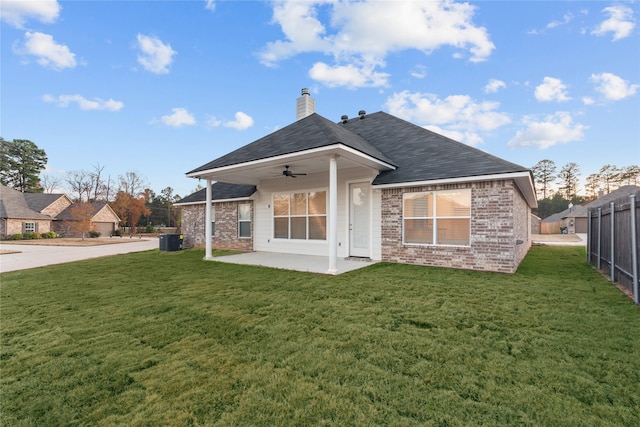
56, 207
14, 226
226, 232
497, 222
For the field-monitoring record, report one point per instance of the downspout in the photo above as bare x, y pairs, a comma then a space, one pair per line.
207, 222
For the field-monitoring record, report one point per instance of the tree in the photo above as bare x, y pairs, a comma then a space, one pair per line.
21, 162
568, 179
544, 175
630, 175
130, 201
167, 195
49, 183
82, 214
592, 185
80, 183
610, 177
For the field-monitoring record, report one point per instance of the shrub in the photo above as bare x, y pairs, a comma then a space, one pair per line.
149, 229
94, 233
117, 233
17, 236
30, 236
49, 235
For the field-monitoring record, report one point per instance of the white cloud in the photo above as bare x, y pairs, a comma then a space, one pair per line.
180, 117
48, 53
620, 22
363, 33
84, 103
587, 100
457, 115
419, 72
350, 75
613, 87
155, 55
554, 129
551, 89
16, 13
242, 121
494, 85
210, 5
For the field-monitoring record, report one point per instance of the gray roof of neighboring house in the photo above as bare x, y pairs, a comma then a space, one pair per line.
40, 201
13, 204
219, 191
581, 211
67, 213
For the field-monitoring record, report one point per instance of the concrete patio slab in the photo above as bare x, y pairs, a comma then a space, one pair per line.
306, 263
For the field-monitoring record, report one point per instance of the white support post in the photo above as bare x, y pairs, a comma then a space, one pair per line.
333, 215
208, 253
634, 249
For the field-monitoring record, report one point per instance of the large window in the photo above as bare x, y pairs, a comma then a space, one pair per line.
28, 227
437, 218
300, 216
244, 220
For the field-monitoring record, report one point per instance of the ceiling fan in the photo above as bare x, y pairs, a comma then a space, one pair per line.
287, 172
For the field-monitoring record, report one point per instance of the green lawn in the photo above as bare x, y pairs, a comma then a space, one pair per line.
166, 339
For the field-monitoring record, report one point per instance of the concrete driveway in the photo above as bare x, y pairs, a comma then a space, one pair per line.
32, 256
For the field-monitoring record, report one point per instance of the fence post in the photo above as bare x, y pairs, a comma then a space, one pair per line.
599, 237
589, 236
613, 242
634, 249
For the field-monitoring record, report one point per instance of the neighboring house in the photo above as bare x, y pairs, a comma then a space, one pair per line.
574, 218
40, 213
373, 186
103, 220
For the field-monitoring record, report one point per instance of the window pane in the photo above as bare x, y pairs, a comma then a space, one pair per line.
318, 203
418, 231
417, 205
213, 228
298, 227
454, 203
281, 205
318, 227
453, 231
299, 204
244, 212
245, 229
281, 228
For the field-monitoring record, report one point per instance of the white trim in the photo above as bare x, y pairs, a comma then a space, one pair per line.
349, 206
474, 178
320, 151
204, 202
208, 252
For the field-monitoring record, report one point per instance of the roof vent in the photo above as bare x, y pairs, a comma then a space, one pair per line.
362, 113
344, 118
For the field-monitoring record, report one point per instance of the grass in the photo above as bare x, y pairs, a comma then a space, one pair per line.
163, 338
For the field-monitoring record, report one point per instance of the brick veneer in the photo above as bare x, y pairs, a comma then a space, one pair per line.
498, 222
226, 233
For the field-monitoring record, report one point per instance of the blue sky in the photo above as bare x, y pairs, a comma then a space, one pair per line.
162, 87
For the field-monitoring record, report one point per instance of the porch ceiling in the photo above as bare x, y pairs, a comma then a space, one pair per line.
308, 162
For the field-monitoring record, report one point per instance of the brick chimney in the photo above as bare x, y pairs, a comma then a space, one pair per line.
305, 105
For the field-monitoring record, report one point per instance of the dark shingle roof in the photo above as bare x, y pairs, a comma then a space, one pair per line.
39, 201
422, 155
313, 131
13, 204
219, 191
67, 213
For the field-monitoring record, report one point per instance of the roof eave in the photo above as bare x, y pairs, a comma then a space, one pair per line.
522, 179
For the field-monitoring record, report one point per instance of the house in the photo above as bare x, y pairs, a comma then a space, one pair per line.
373, 186
40, 213
574, 218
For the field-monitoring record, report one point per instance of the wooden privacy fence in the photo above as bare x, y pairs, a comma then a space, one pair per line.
613, 241
551, 227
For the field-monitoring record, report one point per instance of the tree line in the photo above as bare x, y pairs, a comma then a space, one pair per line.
556, 189
129, 195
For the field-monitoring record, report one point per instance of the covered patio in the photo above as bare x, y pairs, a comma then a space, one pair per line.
295, 262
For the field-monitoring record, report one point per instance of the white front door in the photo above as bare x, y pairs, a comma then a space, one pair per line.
359, 220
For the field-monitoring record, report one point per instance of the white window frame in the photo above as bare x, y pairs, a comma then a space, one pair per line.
307, 215
432, 215
29, 227
244, 221
213, 221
